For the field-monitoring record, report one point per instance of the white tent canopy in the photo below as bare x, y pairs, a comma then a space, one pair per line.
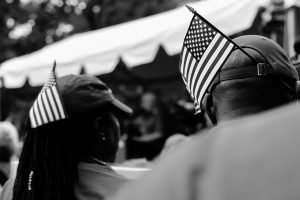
135, 42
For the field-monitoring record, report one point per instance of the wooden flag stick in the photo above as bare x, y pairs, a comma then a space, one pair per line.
54, 66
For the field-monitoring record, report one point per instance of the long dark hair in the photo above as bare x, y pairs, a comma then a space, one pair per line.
48, 164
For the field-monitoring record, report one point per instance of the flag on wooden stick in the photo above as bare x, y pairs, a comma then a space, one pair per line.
48, 106
204, 51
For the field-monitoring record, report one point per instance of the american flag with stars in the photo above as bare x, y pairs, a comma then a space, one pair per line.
204, 51
48, 106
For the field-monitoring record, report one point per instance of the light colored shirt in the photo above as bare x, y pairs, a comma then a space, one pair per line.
95, 182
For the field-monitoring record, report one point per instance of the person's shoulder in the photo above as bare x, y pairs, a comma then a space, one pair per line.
7, 190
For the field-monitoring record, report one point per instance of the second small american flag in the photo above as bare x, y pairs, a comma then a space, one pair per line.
48, 107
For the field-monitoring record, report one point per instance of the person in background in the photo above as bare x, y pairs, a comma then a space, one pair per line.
9, 149
72, 136
149, 128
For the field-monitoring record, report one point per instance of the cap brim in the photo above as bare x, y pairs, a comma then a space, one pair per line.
122, 107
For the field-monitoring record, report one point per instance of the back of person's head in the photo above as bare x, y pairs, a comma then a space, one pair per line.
244, 86
53, 148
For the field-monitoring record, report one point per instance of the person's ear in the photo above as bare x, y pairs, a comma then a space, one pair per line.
208, 107
98, 127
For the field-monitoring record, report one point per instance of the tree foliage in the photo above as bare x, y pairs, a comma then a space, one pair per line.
28, 25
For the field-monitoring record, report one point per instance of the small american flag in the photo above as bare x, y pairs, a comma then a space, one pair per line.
48, 106
204, 51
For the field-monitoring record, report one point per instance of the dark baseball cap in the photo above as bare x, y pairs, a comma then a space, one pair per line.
277, 63
85, 93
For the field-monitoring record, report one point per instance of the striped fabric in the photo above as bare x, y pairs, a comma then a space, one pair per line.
48, 106
204, 51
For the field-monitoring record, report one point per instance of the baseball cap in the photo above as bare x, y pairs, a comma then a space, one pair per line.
85, 93
277, 62
73, 95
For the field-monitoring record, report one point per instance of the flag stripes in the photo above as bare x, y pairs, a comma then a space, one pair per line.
206, 60
46, 104
211, 67
52, 104
226, 51
58, 103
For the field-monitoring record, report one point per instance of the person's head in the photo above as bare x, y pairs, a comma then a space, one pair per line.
148, 101
54, 145
244, 87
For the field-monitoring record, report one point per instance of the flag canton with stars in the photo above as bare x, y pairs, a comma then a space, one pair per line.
51, 82
198, 37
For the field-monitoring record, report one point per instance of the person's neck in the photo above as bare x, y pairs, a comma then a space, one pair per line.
227, 115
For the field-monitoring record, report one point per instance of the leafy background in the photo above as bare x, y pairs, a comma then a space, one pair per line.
28, 25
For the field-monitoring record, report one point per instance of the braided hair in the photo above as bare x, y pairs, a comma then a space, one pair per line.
48, 164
